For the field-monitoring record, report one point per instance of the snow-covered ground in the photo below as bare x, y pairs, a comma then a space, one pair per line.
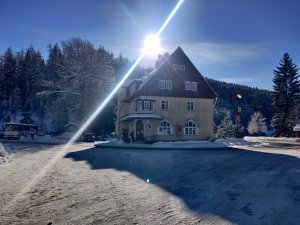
124, 186
220, 143
274, 140
5, 155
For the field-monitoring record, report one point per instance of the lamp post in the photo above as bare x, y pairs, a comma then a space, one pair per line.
238, 114
239, 109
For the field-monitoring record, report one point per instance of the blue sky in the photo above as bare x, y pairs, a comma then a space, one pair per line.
235, 41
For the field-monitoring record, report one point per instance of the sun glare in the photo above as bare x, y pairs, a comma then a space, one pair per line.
152, 45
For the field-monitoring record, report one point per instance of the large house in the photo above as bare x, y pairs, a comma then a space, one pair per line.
174, 102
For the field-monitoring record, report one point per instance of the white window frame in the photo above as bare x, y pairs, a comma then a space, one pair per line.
191, 128
139, 106
168, 84
194, 86
165, 128
190, 86
164, 105
191, 106
187, 86
147, 105
178, 67
162, 84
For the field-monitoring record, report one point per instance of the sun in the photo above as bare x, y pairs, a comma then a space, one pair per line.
152, 45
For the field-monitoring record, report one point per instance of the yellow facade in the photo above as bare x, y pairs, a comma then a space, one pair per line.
177, 115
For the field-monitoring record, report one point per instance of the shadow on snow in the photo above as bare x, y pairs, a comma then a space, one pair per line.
244, 187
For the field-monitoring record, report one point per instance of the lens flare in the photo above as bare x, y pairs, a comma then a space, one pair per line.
114, 91
60, 154
152, 45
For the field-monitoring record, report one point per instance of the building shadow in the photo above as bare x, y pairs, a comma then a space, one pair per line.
244, 187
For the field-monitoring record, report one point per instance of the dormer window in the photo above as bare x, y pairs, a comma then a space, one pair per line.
178, 67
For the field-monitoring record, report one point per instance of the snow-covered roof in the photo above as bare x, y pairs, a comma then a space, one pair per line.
141, 116
71, 124
297, 127
15, 123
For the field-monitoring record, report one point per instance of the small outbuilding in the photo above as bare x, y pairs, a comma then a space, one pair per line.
297, 130
71, 127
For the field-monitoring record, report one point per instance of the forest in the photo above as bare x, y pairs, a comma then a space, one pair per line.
76, 76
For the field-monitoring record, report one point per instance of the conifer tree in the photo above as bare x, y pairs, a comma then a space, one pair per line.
286, 96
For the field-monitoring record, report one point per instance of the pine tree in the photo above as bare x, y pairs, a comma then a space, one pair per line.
31, 79
286, 96
257, 124
9, 74
226, 129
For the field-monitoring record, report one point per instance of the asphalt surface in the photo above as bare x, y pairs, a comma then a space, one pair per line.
87, 185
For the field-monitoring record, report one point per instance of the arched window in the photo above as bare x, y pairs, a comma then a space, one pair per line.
190, 128
165, 128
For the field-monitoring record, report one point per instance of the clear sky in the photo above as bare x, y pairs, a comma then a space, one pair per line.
238, 41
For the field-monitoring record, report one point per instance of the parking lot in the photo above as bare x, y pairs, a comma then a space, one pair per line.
87, 185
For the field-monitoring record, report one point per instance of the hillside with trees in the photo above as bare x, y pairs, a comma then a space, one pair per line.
76, 76
252, 99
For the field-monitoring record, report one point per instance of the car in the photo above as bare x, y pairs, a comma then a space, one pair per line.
88, 137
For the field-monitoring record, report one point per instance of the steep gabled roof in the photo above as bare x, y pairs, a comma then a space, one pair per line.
165, 71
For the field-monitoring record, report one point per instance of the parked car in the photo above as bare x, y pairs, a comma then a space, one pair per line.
88, 137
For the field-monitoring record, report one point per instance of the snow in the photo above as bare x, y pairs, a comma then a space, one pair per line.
2, 150
297, 127
220, 143
282, 140
4, 154
150, 187
73, 124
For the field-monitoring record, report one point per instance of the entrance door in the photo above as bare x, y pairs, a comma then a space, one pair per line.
139, 130
125, 135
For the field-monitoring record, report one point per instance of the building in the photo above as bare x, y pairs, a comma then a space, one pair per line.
297, 130
71, 127
174, 102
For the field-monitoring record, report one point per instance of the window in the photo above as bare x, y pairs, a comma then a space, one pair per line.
146, 105
194, 86
190, 128
187, 86
165, 128
162, 84
139, 106
142, 105
165, 105
190, 86
168, 84
178, 67
191, 106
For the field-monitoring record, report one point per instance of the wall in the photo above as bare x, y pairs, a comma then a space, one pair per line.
177, 114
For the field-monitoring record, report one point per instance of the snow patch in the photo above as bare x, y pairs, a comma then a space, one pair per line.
220, 143
4, 154
278, 140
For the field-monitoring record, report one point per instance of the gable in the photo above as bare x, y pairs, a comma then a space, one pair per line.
178, 69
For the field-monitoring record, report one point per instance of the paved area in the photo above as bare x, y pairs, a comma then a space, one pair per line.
87, 185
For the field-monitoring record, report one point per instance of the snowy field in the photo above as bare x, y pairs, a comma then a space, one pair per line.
257, 185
